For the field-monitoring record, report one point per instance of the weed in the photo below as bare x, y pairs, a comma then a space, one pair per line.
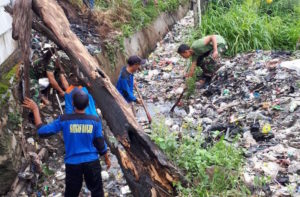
191, 82
102, 4
46, 170
78, 3
3, 88
14, 120
137, 15
214, 171
261, 181
253, 24
111, 48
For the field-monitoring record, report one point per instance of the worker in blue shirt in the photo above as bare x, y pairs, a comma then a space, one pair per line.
125, 82
83, 142
69, 108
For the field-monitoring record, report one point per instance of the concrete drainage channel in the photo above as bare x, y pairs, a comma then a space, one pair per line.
141, 43
253, 92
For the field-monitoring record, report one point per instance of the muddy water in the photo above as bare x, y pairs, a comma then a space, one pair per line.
156, 109
162, 78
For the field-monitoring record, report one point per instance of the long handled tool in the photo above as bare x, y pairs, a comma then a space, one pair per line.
143, 104
59, 104
61, 112
181, 95
178, 100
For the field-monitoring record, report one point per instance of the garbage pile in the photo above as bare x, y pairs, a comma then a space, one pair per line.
255, 96
88, 37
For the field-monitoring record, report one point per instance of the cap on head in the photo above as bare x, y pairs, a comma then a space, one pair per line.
132, 60
80, 99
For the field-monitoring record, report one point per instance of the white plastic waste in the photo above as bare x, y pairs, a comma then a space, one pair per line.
43, 83
293, 65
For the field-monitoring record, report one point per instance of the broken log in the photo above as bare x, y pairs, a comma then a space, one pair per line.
19, 184
146, 169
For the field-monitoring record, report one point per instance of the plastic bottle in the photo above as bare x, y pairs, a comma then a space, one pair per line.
266, 128
226, 92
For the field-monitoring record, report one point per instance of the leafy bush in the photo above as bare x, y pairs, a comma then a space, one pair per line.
214, 171
250, 25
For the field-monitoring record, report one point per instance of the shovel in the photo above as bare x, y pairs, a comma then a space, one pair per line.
143, 104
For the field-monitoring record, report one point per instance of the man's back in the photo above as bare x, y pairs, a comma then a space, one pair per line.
200, 48
69, 109
79, 132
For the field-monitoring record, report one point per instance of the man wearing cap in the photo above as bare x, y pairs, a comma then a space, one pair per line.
83, 142
125, 82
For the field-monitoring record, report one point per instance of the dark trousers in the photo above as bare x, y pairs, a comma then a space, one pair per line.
91, 172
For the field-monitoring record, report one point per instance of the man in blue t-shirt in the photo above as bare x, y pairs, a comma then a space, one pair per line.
125, 82
83, 142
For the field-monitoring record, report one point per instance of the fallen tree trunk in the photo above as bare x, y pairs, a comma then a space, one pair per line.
22, 21
146, 168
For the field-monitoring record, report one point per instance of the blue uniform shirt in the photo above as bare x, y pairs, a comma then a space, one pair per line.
79, 132
69, 109
125, 85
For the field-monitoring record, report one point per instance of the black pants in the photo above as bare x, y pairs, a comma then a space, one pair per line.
91, 171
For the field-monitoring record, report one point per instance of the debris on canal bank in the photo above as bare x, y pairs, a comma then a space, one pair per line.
237, 136
255, 95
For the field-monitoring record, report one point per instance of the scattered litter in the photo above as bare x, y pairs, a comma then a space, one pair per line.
254, 95
26, 175
30, 141
104, 175
60, 175
125, 190
293, 65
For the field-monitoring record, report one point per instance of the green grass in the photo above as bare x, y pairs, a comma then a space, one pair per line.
191, 82
223, 160
142, 15
253, 24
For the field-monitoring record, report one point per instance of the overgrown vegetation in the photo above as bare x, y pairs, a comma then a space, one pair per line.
191, 82
133, 14
14, 120
214, 171
253, 24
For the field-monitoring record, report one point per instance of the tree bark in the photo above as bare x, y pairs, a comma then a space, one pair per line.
196, 14
22, 21
146, 169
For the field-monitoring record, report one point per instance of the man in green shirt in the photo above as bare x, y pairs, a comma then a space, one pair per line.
44, 67
204, 53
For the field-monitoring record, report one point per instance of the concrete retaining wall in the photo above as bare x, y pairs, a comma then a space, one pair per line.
141, 43
10, 120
